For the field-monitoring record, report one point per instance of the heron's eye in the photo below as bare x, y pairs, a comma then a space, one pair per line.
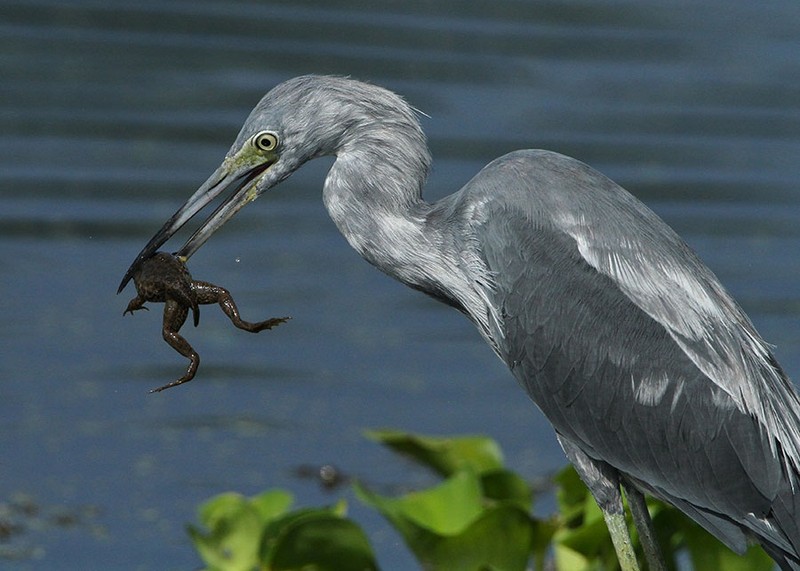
265, 141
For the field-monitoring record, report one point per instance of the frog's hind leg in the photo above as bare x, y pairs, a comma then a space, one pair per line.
175, 315
209, 293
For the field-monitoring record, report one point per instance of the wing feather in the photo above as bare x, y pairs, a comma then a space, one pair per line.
629, 344
647, 261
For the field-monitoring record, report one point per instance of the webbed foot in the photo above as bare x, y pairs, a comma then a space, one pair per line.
190, 372
261, 325
135, 305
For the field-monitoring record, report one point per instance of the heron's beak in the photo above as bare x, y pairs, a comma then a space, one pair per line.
233, 173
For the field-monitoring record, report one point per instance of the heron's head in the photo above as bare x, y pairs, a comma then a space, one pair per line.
296, 121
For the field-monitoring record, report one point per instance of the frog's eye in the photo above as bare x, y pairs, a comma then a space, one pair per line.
265, 141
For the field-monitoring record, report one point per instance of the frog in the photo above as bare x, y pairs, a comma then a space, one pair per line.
165, 278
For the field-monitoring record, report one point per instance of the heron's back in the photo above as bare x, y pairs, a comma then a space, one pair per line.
628, 356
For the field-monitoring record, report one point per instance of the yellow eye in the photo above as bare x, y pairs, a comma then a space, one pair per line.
265, 141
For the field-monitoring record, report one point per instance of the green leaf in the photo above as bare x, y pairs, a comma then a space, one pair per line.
500, 539
276, 528
506, 486
445, 455
450, 527
272, 504
234, 533
446, 509
567, 558
582, 541
543, 531
591, 538
571, 493
477, 519
321, 541
708, 553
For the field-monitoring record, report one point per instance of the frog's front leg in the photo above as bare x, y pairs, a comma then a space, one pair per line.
209, 293
174, 317
135, 304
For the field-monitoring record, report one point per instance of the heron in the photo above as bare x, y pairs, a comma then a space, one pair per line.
655, 380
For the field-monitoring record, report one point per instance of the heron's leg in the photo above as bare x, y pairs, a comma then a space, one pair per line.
209, 293
644, 525
618, 529
603, 483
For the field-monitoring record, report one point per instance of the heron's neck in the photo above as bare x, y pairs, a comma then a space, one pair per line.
380, 211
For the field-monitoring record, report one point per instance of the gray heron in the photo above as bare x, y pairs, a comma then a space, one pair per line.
654, 379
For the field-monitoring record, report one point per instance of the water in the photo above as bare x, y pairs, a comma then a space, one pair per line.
112, 113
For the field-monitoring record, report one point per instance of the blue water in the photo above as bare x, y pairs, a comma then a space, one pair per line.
112, 113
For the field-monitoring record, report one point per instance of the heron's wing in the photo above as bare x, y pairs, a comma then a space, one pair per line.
626, 341
624, 241
656, 270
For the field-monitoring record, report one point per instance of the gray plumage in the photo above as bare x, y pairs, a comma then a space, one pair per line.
648, 370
